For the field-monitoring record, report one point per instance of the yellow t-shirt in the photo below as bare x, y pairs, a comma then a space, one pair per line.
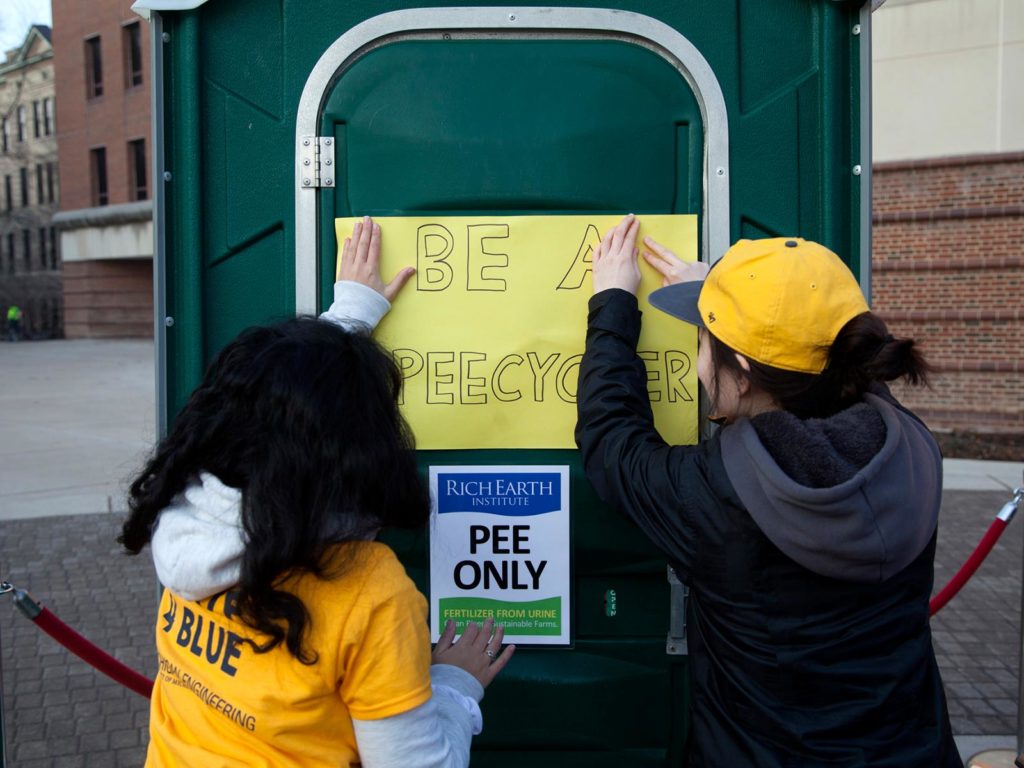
217, 702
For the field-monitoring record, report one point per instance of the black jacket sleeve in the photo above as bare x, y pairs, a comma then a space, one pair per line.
660, 487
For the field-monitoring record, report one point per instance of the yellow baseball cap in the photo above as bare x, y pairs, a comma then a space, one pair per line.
780, 301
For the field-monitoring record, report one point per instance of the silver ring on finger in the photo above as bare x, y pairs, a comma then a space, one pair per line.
489, 652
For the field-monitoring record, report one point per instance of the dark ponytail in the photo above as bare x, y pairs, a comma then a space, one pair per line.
864, 352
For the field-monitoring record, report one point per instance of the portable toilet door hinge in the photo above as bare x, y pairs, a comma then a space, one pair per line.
316, 162
675, 644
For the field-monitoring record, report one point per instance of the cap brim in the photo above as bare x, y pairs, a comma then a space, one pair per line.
680, 301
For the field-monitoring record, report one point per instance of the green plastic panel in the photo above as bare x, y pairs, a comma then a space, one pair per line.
515, 128
509, 127
235, 71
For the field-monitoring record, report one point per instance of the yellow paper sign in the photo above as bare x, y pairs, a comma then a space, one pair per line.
490, 330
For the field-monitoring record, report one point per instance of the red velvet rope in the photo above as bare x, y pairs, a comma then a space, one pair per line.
143, 686
92, 655
968, 568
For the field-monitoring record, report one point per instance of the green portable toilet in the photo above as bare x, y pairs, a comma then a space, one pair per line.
274, 118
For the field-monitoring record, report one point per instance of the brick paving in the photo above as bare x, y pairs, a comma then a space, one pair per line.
59, 713
977, 636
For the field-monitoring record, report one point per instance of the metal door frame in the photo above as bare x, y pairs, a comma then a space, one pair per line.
512, 24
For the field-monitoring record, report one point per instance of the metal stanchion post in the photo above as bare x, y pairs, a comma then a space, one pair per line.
4, 589
1020, 668
998, 758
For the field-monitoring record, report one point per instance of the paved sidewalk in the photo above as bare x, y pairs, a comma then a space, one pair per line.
973, 475
60, 712
77, 421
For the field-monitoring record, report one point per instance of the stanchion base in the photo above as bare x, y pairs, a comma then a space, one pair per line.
992, 758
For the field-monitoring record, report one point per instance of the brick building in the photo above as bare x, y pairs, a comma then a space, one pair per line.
29, 258
949, 202
102, 73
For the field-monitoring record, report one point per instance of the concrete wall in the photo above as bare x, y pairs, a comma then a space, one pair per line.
122, 241
947, 78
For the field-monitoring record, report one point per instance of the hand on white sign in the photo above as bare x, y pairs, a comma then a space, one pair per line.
477, 651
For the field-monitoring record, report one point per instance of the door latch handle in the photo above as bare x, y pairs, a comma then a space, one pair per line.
675, 644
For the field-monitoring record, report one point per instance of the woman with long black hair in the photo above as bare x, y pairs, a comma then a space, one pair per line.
287, 635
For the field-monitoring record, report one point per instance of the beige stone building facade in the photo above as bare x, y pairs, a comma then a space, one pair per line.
30, 261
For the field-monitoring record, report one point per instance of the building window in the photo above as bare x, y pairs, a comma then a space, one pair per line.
10, 252
24, 187
22, 122
137, 169
50, 182
49, 124
53, 249
42, 248
98, 166
132, 42
93, 68
10, 193
35, 119
26, 237
39, 184
3, 130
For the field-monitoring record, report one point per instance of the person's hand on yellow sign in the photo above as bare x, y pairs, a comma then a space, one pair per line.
360, 261
615, 260
672, 268
614, 263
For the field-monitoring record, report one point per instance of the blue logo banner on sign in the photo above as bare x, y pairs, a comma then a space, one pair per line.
505, 553
514, 494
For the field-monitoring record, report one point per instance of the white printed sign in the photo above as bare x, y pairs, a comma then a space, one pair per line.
499, 548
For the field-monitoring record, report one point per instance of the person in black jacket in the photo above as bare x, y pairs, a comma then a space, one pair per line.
805, 527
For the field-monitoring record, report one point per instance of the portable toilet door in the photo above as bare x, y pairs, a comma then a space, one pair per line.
274, 119
479, 111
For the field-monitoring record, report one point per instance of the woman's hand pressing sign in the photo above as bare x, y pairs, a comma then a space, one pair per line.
477, 651
360, 260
